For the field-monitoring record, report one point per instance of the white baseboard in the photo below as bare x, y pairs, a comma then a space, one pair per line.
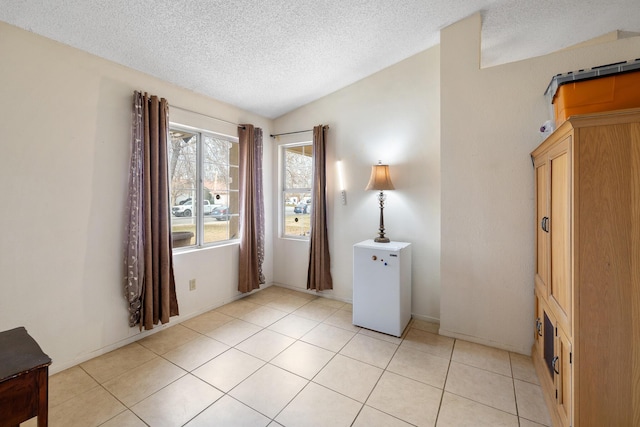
484, 341
426, 318
324, 294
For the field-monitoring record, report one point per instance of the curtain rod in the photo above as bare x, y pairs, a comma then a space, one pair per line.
205, 115
298, 131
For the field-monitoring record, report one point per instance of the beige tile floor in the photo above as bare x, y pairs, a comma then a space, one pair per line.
286, 358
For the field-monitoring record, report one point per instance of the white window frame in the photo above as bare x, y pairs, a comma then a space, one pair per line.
283, 189
199, 209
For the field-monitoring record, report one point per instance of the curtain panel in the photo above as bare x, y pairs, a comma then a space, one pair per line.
149, 282
319, 272
250, 275
134, 250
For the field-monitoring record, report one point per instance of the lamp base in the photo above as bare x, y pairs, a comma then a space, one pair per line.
381, 238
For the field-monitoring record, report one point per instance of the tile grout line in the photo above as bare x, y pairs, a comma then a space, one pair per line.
311, 380
515, 395
446, 377
273, 419
227, 393
377, 382
186, 372
492, 372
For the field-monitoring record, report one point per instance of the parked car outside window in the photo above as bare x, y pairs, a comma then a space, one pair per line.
221, 213
186, 209
302, 208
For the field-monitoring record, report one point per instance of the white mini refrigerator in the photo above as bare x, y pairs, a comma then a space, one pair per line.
382, 286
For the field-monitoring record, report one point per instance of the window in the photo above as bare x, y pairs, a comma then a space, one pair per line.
297, 176
203, 186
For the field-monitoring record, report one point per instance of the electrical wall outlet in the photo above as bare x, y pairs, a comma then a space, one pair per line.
192, 284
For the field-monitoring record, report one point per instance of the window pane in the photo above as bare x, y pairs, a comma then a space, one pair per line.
234, 186
234, 195
297, 177
182, 187
297, 214
234, 154
219, 176
298, 172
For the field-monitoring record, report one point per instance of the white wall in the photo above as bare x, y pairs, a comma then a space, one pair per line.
489, 123
391, 116
65, 120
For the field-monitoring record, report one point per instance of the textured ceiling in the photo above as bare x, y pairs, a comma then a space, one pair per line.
270, 57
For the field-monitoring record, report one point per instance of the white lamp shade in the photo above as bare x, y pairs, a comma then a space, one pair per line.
380, 178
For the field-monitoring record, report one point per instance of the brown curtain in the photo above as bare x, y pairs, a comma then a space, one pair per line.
134, 249
319, 273
250, 274
150, 283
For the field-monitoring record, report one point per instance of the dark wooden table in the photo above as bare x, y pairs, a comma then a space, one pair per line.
24, 379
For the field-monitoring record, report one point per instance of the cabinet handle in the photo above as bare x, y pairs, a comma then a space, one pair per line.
544, 224
554, 362
539, 326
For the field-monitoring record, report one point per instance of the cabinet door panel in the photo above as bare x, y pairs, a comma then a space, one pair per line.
538, 333
560, 228
542, 225
563, 378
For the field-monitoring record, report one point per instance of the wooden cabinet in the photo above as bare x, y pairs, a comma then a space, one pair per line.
24, 379
587, 271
